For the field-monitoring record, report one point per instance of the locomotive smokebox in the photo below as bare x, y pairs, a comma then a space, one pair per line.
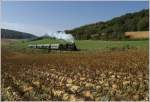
68, 47
71, 47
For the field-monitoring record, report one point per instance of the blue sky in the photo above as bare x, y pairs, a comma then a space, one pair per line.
39, 17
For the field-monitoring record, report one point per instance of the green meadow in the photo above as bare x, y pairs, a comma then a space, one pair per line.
87, 45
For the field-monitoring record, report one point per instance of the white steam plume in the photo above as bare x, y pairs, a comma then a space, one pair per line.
62, 35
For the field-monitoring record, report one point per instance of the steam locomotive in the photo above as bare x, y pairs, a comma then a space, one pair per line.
61, 47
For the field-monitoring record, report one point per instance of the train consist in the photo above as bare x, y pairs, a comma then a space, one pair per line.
61, 47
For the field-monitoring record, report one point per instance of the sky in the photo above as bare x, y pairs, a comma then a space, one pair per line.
40, 17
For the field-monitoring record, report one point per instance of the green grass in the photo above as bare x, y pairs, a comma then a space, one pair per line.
102, 45
88, 45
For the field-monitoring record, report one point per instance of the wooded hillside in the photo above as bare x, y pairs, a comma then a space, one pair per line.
115, 28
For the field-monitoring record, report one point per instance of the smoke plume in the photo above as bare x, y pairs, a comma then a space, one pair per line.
62, 35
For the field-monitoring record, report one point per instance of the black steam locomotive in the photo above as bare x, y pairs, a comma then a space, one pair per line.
64, 47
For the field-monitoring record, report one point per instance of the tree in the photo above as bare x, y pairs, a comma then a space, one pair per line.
143, 24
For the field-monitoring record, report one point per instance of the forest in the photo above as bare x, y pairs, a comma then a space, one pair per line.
113, 29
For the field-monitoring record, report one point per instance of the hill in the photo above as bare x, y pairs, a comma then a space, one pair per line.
12, 34
115, 28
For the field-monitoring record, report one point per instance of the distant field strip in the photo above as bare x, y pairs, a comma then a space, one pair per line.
138, 35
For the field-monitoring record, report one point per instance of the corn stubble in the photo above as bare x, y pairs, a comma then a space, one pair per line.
113, 76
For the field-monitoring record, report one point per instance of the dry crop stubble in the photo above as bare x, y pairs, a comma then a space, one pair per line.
101, 76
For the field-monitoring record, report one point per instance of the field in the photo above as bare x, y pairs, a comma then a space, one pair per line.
101, 71
87, 45
138, 35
